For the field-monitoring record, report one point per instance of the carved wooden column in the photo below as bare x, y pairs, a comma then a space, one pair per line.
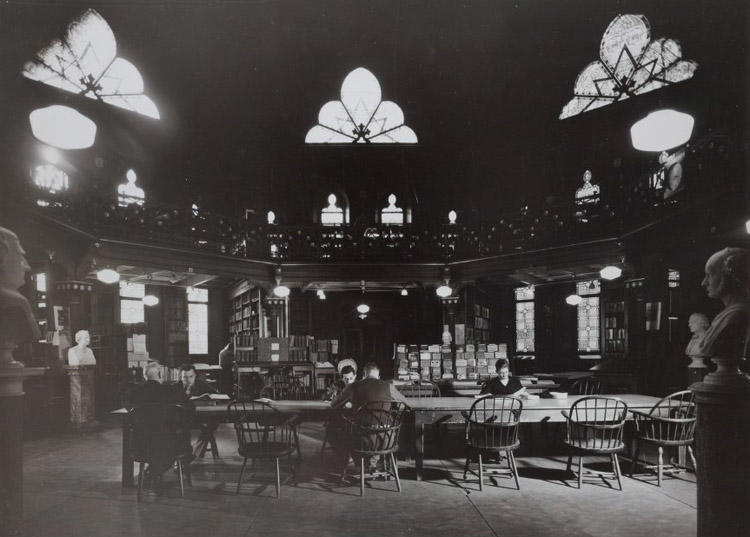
722, 448
12, 375
277, 308
449, 305
82, 396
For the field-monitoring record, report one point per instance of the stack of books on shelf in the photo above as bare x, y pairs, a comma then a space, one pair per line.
423, 362
476, 362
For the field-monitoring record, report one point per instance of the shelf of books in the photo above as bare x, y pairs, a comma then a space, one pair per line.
434, 362
615, 329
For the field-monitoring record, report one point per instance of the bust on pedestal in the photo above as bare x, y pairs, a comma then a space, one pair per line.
80, 369
17, 325
722, 438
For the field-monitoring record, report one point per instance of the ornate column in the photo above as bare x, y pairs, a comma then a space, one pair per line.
82, 396
449, 304
12, 375
722, 448
277, 307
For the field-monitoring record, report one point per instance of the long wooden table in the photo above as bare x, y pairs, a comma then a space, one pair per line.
426, 411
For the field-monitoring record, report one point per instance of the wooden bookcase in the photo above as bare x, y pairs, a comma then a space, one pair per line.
247, 322
614, 329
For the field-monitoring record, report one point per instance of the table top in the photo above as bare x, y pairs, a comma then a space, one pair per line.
634, 401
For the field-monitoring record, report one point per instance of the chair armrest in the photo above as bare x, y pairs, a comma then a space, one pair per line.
641, 414
465, 415
566, 414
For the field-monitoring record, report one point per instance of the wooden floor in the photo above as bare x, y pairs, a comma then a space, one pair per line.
72, 488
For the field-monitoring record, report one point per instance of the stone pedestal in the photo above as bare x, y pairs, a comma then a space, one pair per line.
11, 447
82, 396
722, 449
697, 369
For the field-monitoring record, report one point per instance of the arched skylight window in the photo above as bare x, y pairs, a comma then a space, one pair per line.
360, 116
332, 215
128, 193
84, 62
630, 64
49, 177
392, 215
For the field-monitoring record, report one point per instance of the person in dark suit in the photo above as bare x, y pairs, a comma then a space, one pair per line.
367, 390
152, 391
190, 385
503, 383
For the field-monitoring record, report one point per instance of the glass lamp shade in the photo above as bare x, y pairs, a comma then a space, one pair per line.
610, 272
444, 291
452, 217
363, 309
281, 291
150, 300
321, 294
662, 130
108, 276
62, 127
404, 292
573, 300
747, 226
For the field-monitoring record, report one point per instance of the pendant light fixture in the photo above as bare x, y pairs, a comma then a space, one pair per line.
662, 130
108, 276
281, 291
573, 300
610, 272
62, 127
445, 290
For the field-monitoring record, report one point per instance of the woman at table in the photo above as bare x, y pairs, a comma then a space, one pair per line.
503, 383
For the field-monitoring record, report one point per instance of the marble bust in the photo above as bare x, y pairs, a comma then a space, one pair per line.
17, 323
80, 354
698, 323
726, 340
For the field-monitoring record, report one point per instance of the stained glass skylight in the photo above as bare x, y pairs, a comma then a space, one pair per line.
630, 64
360, 116
392, 215
85, 62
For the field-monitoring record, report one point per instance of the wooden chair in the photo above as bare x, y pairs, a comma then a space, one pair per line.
594, 425
492, 427
263, 433
586, 386
160, 437
671, 422
372, 432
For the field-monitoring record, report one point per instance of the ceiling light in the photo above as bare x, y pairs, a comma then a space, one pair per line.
452, 217
747, 226
271, 217
362, 316
444, 291
281, 291
363, 309
62, 127
404, 292
610, 272
573, 300
662, 130
150, 300
108, 276
321, 294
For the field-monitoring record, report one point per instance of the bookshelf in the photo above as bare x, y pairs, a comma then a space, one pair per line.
247, 322
615, 329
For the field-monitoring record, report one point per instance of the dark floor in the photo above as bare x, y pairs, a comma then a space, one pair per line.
72, 488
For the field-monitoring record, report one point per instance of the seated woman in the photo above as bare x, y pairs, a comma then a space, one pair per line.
503, 383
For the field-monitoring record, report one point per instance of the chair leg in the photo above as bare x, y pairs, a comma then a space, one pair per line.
292, 469
466, 466
616, 469
296, 443
394, 464
634, 462
569, 467
659, 464
242, 472
140, 480
325, 440
179, 472
189, 475
278, 479
361, 476
481, 472
692, 458
513, 467
580, 471
214, 448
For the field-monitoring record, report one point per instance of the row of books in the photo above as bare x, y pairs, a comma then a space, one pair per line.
250, 348
435, 362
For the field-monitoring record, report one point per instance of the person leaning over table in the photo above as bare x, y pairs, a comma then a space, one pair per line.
503, 383
348, 376
368, 390
190, 385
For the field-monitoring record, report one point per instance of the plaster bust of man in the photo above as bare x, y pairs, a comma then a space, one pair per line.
726, 279
81, 354
17, 323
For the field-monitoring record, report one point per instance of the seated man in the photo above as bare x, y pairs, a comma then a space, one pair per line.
190, 385
367, 390
152, 391
348, 376
503, 383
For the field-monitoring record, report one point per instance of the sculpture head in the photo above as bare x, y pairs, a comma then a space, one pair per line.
698, 323
726, 274
587, 176
663, 157
83, 338
13, 264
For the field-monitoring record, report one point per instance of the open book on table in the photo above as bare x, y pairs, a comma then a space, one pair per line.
210, 397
